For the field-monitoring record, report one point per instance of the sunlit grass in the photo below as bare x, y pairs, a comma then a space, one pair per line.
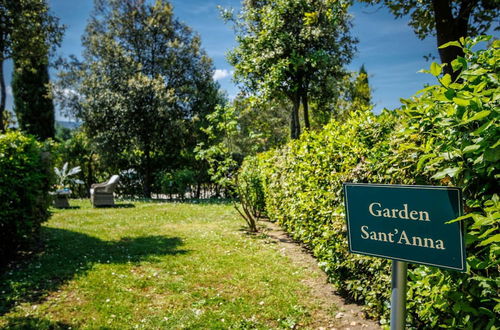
153, 265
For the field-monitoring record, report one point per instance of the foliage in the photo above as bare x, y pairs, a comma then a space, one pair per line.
250, 193
291, 49
447, 135
354, 94
447, 20
32, 101
144, 88
8, 121
422, 14
220, 149
77, 150
28, 34
261, 126
25, 179
237, 130
63, 176
62, 133
178, 182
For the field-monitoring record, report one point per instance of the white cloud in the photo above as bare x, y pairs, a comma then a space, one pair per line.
221, 74
8, 89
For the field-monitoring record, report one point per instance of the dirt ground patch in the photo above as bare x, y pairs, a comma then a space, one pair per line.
335, 312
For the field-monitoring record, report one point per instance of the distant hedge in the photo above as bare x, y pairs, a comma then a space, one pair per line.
447, 135
25, 175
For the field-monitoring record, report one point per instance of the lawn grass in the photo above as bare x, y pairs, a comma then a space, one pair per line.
152, 265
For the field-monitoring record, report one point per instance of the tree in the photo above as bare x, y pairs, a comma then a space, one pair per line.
238, 130
291, 49
32, 101
354, 95
448, 20
261, 126
360, 90
28, 32
143, 88
5, 32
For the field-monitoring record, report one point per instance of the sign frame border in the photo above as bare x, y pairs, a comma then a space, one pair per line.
400, 186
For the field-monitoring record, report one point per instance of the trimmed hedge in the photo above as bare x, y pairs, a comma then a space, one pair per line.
447, 135
25, 177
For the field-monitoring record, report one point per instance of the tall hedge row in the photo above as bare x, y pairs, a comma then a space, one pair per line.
25, 177
446, 135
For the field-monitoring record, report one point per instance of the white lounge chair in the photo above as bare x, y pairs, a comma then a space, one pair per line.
101, 194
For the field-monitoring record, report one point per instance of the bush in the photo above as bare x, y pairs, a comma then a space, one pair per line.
250, 192
25, 179
77, 151
447, 135
178, 182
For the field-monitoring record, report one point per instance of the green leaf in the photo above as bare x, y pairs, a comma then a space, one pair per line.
492, 239
446, 80
435, 69
459, 63
450, 43
471, 148
422, 160
451, 172
492, 155
477, 116
450, 94
463, 217
461, 102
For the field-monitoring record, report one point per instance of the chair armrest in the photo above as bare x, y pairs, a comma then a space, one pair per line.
99, 188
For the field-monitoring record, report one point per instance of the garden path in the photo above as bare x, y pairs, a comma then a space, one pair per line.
348, 316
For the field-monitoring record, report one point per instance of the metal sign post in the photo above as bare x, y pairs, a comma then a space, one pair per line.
398, 297
405, 224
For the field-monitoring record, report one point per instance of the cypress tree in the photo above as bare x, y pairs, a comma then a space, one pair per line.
32, 102
34, 34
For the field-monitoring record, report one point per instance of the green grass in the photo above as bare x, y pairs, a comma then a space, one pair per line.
154, 265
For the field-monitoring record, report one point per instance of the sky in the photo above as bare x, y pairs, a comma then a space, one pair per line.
388, 48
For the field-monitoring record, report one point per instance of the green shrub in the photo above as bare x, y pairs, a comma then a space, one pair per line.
77, 151
447, 135
177, 182
25, 179
250, 193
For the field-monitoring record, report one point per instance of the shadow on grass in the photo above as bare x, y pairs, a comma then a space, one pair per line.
68, 253
208, 201
35, 323
68, 208
116, 206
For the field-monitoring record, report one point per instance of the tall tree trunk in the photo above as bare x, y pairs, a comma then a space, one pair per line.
198, 190
295, 123
147, 173
305, 107
449, 28
2, 97
90, 177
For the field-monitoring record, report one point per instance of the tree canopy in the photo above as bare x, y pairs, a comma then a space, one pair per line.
291, 49
448, 20
145, 85
28, 32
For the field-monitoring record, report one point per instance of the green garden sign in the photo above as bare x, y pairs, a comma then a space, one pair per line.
405, 224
